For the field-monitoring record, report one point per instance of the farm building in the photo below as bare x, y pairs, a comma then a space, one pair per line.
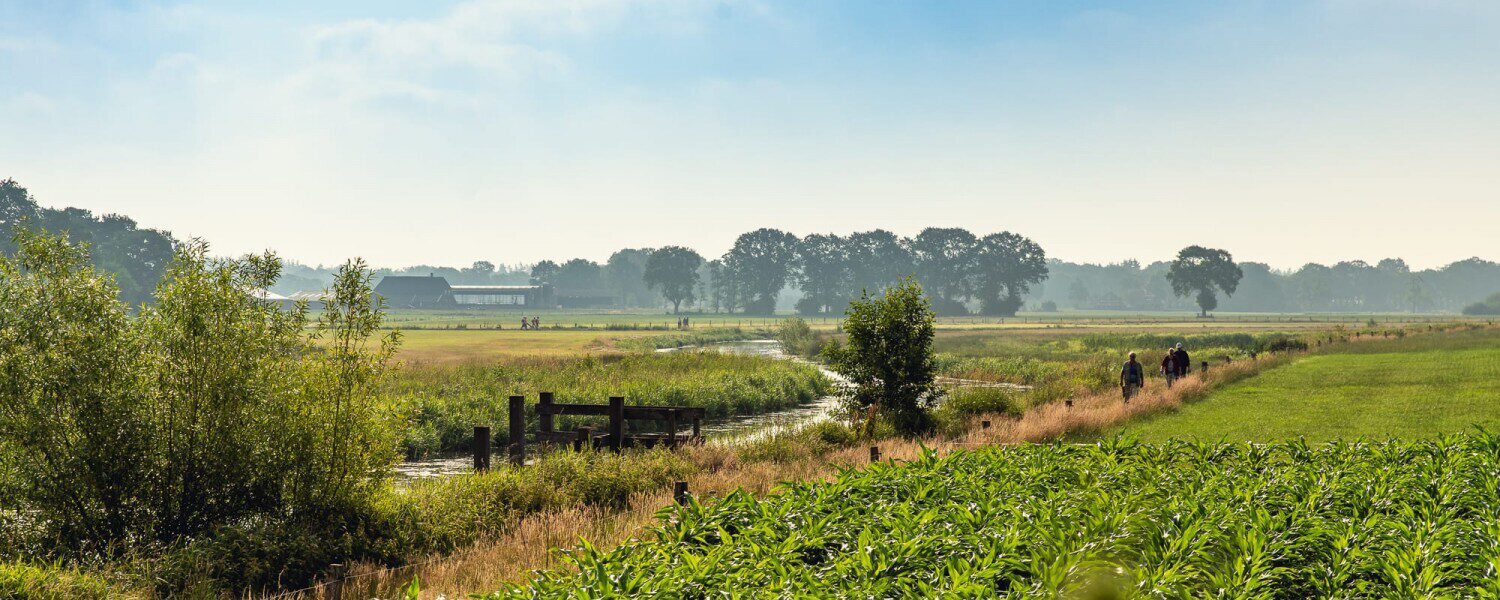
403, 291
406, 291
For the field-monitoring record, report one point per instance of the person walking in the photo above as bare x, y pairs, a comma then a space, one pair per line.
536, 322
1132, 377
1183, 362
525, 324
1169, 366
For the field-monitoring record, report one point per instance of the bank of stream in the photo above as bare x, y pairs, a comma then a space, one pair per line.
724, 430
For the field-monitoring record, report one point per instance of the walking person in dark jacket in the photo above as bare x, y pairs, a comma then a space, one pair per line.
1169, 366
1184, 364
1132, 377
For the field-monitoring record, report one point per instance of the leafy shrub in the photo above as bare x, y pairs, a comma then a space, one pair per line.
888, 359
210, 408
977, 400
798, 338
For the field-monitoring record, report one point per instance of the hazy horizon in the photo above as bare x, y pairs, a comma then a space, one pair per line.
517, 131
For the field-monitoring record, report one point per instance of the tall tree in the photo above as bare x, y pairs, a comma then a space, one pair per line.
821, 271
579, 276
1204, 271
673, 271
624, 273
945, 259
544, 273
877, 259
1007, 266
759, 264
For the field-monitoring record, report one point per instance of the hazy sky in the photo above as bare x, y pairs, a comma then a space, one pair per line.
515, 130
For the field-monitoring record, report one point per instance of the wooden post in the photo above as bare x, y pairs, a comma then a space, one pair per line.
544, 419
680, 493
616, 423
584, 440
1068, 404
984, 424
335, 589
518, 430
672, 429
481, 448
697, 428
1205, 369
874, 454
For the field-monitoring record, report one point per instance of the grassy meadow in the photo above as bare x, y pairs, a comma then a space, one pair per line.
1415, 387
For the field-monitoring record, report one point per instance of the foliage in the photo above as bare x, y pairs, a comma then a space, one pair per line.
23, 581
759, 264
446, 403
798, 338
945, 260
137, 258
821, 270
1007, 266
1489, 306
1362, 520
673, 271
1204, 271
210, 408
888, 360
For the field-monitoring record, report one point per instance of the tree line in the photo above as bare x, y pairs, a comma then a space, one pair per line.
137, 257
769, 269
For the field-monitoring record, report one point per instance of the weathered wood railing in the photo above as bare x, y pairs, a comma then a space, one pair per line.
585, 438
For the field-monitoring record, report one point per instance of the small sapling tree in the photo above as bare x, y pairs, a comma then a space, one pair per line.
888, 361
1204, 272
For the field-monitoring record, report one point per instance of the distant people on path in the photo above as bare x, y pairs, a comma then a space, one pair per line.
1132, 377
1169, 366
1184, 364
525, 324
536, 322
685, 324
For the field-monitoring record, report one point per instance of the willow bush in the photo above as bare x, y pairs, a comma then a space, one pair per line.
119, 433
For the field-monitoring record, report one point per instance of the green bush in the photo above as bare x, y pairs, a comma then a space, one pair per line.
208, 410
798, 338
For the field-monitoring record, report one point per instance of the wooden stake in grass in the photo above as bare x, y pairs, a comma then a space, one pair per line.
518, 430
680, 493
481, 448
874, 454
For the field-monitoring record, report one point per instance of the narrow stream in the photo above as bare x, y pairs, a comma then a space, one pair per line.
723, 430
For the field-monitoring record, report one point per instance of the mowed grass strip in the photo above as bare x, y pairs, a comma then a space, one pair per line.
1373, 394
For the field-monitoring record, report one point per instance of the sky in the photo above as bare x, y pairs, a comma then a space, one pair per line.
519, 130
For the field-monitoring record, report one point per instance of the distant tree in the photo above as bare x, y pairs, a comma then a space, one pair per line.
1078, 294
16, 206
1007, 265
709, 283
1486, 307
877, 259
544, 273
1204, 271
759, 265
673, 271
1416, 292
888, 360
624, 272
479, 273
579, 276
821, 270
945, 260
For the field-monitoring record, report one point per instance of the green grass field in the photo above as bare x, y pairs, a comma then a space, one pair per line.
1411, 388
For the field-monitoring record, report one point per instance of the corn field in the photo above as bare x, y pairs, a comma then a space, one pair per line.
1114, 519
